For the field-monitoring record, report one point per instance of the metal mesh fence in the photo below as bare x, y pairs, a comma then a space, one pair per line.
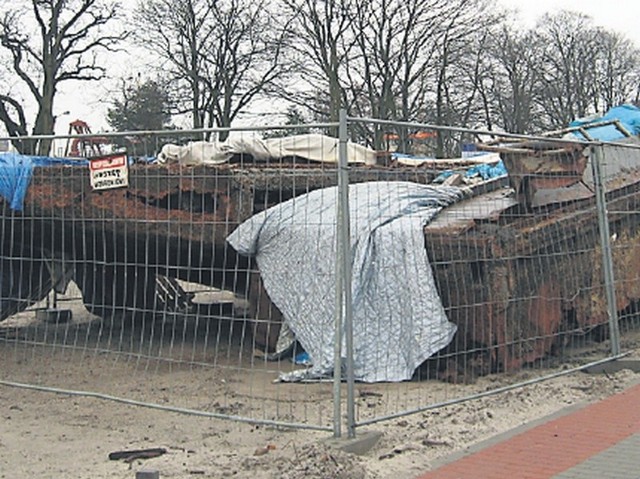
159, 301
520, 263
234, 278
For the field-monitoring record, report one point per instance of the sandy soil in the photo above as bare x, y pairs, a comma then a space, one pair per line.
53, 435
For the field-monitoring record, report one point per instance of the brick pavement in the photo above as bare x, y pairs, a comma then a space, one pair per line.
604, 436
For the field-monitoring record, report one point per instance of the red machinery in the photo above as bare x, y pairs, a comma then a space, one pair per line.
85, 146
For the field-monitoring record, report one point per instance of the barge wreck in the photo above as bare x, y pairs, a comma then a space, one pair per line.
516, 263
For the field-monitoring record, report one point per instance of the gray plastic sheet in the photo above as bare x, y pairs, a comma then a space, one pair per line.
398, 318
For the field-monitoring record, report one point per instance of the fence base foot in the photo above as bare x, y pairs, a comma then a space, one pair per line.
615, 366
361, 444
148, 474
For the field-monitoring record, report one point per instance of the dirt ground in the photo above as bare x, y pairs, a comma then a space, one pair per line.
46, 434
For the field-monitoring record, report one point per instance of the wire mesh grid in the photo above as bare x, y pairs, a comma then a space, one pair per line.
465, 280
517, 263
135, 292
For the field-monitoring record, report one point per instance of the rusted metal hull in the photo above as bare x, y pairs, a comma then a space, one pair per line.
520, 285
516, 280
171, 221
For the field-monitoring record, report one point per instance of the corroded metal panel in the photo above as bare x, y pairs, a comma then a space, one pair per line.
518, 287
514, 266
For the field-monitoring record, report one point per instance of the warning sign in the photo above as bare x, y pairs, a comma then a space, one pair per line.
107, 172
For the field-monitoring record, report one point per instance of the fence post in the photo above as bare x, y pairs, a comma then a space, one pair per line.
346, 272
343, 290
597, 159
341, 234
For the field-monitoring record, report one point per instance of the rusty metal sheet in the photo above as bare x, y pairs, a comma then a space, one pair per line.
550, 173
463, 216
534, 170
545, 194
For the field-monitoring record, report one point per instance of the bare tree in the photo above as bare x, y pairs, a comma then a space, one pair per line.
569, 81
511, 80
179, 33
583, 69
222, 53
396, 43
453, 88
62, 47
387, 59
318, 48
617, 71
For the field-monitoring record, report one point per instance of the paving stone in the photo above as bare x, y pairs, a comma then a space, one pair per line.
598, 441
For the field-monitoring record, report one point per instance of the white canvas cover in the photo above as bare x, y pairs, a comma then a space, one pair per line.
313, 147
398, 318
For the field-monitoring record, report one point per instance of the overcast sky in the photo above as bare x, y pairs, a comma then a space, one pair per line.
622, 16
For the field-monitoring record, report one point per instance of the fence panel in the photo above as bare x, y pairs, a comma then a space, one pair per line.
165, 309
512, 280
620, 240
200, 287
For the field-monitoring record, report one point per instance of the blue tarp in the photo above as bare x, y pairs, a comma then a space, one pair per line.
15, 174
627, 115
485, 170
50, 161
